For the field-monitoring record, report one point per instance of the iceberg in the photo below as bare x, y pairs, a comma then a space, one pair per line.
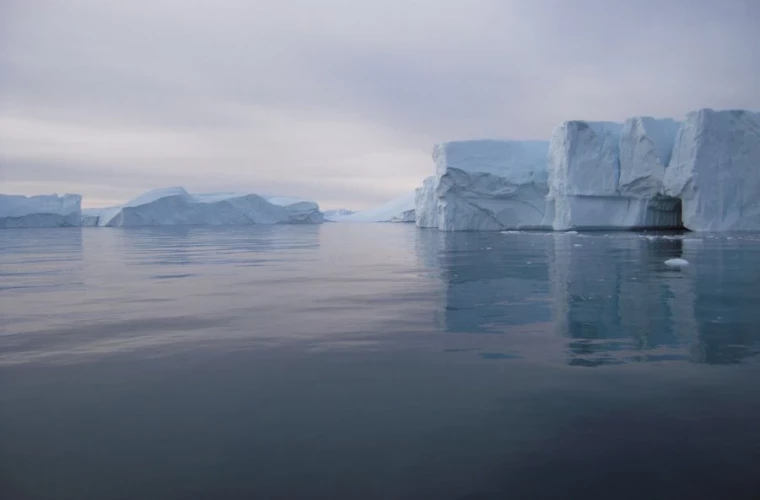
485, 185
299, 211
715, 170
397, 210
40, 211
337, 214
605, 175
94, 217
175, 206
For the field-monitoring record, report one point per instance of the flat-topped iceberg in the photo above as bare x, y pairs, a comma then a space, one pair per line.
715, 170
175, 206
40, 211
485, 185
397, 210
702, 174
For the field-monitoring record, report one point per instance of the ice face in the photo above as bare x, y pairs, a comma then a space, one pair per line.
715, 170
485, 185
606, 175
397, 210
426, 203
583, 159
646, 145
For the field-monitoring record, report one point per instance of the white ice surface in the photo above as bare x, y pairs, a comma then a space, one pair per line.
485, 185
715, 170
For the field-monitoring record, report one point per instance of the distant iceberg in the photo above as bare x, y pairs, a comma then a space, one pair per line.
337, 214
299, 211
40, 211
397, 210
175, 206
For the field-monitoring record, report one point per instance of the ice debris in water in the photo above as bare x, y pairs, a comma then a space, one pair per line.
677, 262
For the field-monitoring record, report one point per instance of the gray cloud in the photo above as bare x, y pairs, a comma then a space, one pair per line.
337, 100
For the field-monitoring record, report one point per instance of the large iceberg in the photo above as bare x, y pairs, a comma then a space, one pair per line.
40, 211
175, 206
485, 185
605, 175
715, 171
397, 210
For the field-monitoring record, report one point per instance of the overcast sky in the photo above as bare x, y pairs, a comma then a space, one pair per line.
336, 100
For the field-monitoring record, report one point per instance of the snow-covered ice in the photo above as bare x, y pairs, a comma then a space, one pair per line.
40, 211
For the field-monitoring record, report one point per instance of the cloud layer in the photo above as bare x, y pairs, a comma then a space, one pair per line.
336, 100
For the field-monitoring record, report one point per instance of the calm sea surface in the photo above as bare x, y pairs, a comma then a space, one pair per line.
351, 361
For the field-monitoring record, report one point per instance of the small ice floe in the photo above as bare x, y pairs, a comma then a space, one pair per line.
577, 245
677, 262
571, 232
510, 232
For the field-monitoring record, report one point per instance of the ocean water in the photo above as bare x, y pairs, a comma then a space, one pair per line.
377, 361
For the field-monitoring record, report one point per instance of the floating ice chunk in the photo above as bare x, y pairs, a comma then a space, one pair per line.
677, 262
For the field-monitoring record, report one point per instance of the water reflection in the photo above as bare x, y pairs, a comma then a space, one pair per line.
609, 297
490, 282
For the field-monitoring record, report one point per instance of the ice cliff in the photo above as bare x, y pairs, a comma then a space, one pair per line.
715, 170
702, 174
485, 185
605, 175
40, 211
